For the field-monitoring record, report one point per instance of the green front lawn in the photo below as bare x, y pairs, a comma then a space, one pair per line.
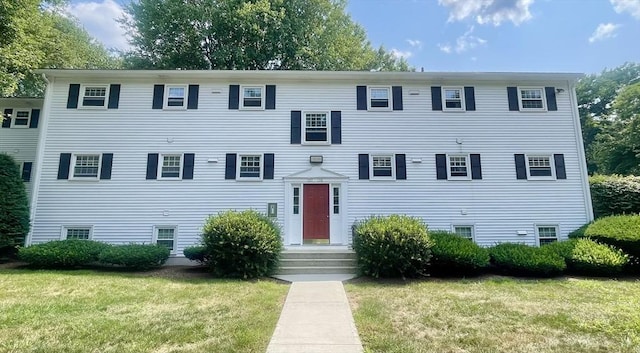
498, 315
87, 311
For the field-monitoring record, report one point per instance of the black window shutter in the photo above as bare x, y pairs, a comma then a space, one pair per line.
336, 127
363, 166
561, 172
6, 119
470, 98
152, 166
441, 166
192, 99
436, 98
397, 97
63, 166
35, 118
230, 166
551, 98
512, 95
234, 96
361, 93
476, 167
271, 97
521, 167
401, 167
268, 166
296, 127
105, 169
158, 96
114, 96
187, 168
72, 99
26, 171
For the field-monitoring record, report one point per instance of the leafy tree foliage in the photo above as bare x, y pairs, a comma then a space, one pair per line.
14, 206
35, 34
250, 34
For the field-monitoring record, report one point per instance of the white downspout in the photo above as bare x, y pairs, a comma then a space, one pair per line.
581, 154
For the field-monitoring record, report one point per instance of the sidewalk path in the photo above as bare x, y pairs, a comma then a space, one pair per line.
316, 318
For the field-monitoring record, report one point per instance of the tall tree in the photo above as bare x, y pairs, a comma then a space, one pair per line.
39, 36
250, 34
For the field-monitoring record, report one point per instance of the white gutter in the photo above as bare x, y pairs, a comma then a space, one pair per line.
584, 175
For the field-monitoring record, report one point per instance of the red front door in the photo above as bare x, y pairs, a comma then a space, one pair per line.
315, 214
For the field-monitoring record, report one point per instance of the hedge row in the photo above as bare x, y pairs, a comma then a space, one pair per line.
615, 194
73, 253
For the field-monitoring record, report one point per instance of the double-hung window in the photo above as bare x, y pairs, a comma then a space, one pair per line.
21, 118
250, 167
316, 128
458, 166
379, 98
94, 96
464, 231
547, 234
382, 166
78, 233
453, 98
539, 166
166, 235
531, 98
86, 166
252, 97
175, 97
171, 166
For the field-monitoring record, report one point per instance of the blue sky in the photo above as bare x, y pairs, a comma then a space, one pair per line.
468, 35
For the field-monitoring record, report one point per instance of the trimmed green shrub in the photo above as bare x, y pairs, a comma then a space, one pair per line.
587, 257
14, 206
524, 260
196, 253
623, 232
578, 233
455, 255
243, 244
135, 256
392, 246
615, 194
70, 253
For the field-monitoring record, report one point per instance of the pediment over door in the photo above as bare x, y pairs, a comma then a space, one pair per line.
316, 174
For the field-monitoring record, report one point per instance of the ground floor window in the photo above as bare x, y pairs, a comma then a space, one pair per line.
166, 236
77, 233
547, 234
464, 231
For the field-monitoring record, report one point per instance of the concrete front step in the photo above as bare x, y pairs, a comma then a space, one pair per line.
318, 254
317, 262
316, 270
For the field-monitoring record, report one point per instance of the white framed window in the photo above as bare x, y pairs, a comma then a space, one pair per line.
250, 167
465, 231
21, 118
252, 97
86, 166
336, 200
547, 234
531, 98
165, 235
540, 166
380, 98
296, 200
77, 232
94, 96
453, 99
175, 97
382, 167
458, 167
171, 166
316, 128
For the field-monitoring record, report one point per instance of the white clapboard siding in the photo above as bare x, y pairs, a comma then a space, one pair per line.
126, 208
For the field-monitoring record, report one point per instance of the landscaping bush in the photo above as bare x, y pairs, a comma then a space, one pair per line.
14, 206
135, 256
623, 232
196, 253
615, 194
524, 260
455, 255
243, 244
578, 233
589, 258
392, 246
70, 253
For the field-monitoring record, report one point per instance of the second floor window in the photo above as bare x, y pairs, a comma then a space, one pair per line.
94, 96
175, 96
171, 166
86, 166
252, 97
316, 128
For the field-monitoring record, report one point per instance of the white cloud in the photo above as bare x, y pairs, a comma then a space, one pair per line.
415, 43
400, 54
464, 43
630, 6
604, 31
489, 11
99, 19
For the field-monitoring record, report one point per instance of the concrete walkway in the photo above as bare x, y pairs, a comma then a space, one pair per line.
316, 318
